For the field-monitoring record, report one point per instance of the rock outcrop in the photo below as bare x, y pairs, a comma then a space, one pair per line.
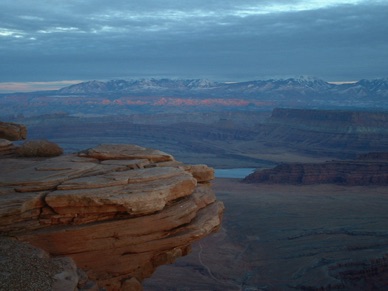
118, 211
7, 148
12, 131
369, 169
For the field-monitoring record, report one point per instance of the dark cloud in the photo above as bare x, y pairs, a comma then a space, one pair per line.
223, 40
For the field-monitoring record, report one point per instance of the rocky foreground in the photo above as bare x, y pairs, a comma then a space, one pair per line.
117, 211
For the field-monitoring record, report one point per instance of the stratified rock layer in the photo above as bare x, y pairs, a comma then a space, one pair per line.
343, 134
118, 211
368, 169
6, 147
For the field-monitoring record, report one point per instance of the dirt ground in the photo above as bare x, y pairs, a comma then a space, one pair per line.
282, 237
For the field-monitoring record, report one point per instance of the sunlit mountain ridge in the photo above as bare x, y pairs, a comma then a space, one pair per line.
187, 95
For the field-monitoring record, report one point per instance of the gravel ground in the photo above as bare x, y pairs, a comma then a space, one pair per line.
23, 267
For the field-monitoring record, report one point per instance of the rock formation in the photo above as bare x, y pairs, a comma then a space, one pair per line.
118, 211
6, 147
336, 133
12, 131
368, 169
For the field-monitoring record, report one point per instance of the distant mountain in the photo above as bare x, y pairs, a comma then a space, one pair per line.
139, 86
188, 95
301, 86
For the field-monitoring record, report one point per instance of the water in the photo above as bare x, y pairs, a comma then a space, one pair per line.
238, 173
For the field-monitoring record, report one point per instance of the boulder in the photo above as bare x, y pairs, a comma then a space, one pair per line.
12, 131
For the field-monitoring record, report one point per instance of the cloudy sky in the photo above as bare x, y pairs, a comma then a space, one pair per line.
227, 40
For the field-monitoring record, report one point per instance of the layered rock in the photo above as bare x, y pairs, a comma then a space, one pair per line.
12, 131
364, 171
327, 132
6, 147
118, 211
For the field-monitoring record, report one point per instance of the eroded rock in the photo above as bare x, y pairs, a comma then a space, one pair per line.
353, 172
126, 152
12, 131
6, 147
118, 212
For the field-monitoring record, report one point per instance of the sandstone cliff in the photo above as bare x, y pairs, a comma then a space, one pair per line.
368, 169
118, 211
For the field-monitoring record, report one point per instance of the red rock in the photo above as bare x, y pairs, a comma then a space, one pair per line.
357, 172
125, 152
6, 147
202, 173
12, 131
118, 213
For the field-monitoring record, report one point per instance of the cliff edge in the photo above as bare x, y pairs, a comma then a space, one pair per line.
118, 211
367, 169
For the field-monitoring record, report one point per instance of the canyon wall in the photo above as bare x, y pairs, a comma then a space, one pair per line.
368, 169
343, 134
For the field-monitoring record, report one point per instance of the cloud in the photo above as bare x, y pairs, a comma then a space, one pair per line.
7, 87
96, 39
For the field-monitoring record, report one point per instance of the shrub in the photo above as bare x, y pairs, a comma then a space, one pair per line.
39, 148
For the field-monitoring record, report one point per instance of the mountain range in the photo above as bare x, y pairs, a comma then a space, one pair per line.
183, 95
296, 86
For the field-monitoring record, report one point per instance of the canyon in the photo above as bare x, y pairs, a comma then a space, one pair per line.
316, 223
227, 139
288, 237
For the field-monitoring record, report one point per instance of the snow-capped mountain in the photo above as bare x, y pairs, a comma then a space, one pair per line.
301, 86
164, 95
138, 86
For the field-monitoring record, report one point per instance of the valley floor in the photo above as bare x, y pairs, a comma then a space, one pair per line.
282, 237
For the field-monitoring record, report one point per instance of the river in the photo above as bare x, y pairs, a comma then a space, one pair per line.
238, 173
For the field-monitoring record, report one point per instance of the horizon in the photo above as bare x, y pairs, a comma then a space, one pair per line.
26, 87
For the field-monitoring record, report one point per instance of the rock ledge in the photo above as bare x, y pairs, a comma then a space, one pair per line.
118, 211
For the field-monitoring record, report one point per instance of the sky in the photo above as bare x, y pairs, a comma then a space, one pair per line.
46, 44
